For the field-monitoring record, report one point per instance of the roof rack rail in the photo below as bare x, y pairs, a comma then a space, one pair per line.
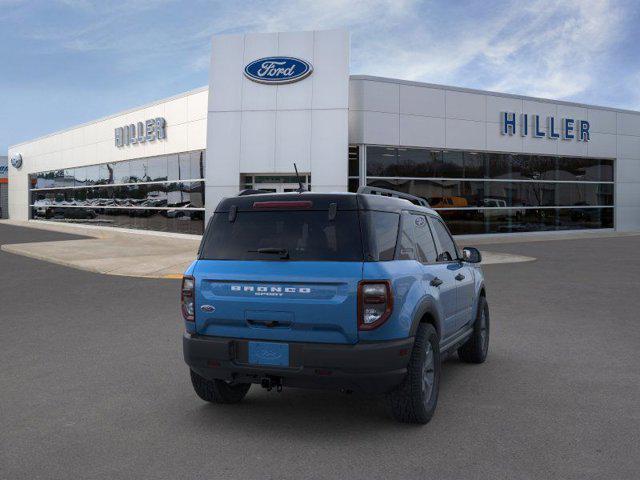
393, 193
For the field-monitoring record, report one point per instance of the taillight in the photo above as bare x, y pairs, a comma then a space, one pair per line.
187, 298
375, 303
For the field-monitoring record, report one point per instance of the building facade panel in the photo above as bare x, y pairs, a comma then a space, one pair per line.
420, 131
293, 140
628, 219
502, 143
329, 142
298, 95
381, 97
465, 106
602, 121
571, 147
628, 146
381, 128
465, 134
229, 51
330, 78
603, 145
628, 124
628, 170
497, 105
426, 101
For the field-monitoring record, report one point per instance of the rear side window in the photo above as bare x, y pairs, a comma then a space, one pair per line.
425, 248
446, 246
382, 233
407, 248
304, 235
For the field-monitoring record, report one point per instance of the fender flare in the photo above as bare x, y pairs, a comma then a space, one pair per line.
427, 306
480, 291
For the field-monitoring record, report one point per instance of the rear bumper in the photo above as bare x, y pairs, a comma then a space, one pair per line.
371, 367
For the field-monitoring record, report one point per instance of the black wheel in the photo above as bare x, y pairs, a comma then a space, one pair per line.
218, 391
477, 347
414, 401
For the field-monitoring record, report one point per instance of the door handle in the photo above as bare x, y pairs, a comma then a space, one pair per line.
459, 277
436, 282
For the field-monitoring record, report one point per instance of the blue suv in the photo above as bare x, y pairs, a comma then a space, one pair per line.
362, 292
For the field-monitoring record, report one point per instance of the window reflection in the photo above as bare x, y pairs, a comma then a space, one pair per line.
138, 171
441, 193
157, 169
121, 172
512, 220
148, 199
424, 163
480, 192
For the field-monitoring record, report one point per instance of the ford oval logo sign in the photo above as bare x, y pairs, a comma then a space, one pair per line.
278, 70
16, 160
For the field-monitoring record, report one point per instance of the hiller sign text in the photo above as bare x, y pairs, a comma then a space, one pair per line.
525, 124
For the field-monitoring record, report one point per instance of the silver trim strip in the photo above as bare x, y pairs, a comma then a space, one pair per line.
458, 179
502, 152
546, 207
111, 207
116, 184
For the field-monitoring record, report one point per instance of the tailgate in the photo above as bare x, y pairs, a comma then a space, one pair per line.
293, 301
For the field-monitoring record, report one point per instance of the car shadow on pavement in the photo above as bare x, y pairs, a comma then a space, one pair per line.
309, 413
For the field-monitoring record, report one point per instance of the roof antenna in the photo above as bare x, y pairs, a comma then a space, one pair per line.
301, 189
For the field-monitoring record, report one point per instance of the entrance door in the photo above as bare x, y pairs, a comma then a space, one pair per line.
278, 187
275, 183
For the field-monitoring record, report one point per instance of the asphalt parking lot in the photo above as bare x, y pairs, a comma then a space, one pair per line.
93, 386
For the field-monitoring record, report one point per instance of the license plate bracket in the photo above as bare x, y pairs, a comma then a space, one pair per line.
269, 353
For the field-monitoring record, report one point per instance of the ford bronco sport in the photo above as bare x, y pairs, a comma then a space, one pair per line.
358, 291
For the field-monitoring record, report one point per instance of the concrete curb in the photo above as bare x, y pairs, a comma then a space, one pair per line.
15, 249
96, 231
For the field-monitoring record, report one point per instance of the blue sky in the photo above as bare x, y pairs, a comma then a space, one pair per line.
70, 61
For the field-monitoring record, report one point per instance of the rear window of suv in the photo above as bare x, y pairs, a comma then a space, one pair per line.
267, 235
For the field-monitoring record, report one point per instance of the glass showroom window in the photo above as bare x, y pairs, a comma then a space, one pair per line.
158, 193
478, 192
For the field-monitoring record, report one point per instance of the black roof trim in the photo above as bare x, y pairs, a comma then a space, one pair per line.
323, 201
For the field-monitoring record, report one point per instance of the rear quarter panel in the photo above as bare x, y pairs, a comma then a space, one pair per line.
408, 293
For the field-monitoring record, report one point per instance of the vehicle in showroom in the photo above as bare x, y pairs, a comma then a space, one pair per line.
358, 291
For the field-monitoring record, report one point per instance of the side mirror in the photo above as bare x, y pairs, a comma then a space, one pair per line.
471, 255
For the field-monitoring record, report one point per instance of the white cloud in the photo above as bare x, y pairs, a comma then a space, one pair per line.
558, 54
545, 49
540, 48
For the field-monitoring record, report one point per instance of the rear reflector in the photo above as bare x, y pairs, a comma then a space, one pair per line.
283, 204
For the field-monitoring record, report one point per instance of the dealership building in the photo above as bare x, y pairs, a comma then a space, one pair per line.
488, 162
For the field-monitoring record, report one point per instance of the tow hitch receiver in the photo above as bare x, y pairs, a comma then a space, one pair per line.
271, 382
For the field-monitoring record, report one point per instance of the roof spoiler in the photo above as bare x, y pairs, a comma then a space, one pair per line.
392, 193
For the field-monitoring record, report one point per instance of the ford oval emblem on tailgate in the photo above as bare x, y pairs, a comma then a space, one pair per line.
278, 70
208, 308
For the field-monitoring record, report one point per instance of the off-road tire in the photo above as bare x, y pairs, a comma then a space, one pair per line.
477, 347
410, 402
218, 391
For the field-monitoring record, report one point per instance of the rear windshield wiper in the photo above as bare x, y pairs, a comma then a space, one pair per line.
283, 252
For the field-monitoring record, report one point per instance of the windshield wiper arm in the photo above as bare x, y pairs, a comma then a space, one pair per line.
283, 252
